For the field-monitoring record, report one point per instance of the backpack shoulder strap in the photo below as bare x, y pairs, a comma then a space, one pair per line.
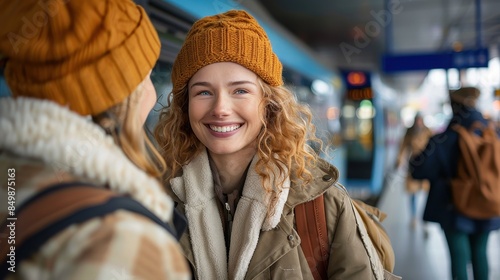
375, 261
310, 219
54, 209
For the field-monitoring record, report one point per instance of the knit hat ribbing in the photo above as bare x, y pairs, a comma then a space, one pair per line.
89, 55
234, 36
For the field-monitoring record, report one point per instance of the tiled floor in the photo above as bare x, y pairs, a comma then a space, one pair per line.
419, 257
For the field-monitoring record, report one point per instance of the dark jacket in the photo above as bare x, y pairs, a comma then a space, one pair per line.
438, 163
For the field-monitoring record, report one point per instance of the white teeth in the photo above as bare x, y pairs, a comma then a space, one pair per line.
224, 128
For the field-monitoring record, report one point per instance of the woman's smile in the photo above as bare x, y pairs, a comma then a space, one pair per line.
224, 129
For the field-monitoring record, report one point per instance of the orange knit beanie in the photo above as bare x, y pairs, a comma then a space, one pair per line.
88, 55
234, 36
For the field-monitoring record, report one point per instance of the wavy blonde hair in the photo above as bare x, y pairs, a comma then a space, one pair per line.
282, 143
122, 122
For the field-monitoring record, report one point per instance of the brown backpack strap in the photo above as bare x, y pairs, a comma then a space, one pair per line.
45, 210
58, 207
310, 219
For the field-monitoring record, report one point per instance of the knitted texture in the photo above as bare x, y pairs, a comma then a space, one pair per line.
88, 55
234, 36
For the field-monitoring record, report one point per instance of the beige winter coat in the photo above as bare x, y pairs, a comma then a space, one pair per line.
413, 143
47, 144
265, 248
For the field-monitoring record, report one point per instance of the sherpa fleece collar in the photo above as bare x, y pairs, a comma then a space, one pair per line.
195, 188
46, 131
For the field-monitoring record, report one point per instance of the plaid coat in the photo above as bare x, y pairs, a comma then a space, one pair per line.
48, 144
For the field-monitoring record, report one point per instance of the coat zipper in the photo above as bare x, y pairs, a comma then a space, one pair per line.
229, 218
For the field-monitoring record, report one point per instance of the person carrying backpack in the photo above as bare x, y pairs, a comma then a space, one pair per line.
238, 164
442, 163
81, 196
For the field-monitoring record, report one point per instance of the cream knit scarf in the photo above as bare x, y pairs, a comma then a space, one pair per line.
196, 189
74, 144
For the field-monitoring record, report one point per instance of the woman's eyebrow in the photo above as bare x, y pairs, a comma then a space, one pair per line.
200, 84
234, 83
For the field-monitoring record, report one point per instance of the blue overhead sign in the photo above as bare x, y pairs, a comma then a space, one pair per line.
441, 60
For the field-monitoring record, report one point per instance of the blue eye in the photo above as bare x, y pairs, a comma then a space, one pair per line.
204, 93
241, 91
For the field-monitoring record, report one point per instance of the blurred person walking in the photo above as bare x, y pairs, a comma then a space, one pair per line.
81, 86
414, 141
467, 237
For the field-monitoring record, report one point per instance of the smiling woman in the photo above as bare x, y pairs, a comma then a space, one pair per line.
235, 144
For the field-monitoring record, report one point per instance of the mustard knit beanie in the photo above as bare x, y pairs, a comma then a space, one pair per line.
234, 36
88, 55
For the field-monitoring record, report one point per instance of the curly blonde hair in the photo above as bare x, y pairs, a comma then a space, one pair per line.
282, 142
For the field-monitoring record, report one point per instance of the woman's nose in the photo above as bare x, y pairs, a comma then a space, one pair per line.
221, 106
